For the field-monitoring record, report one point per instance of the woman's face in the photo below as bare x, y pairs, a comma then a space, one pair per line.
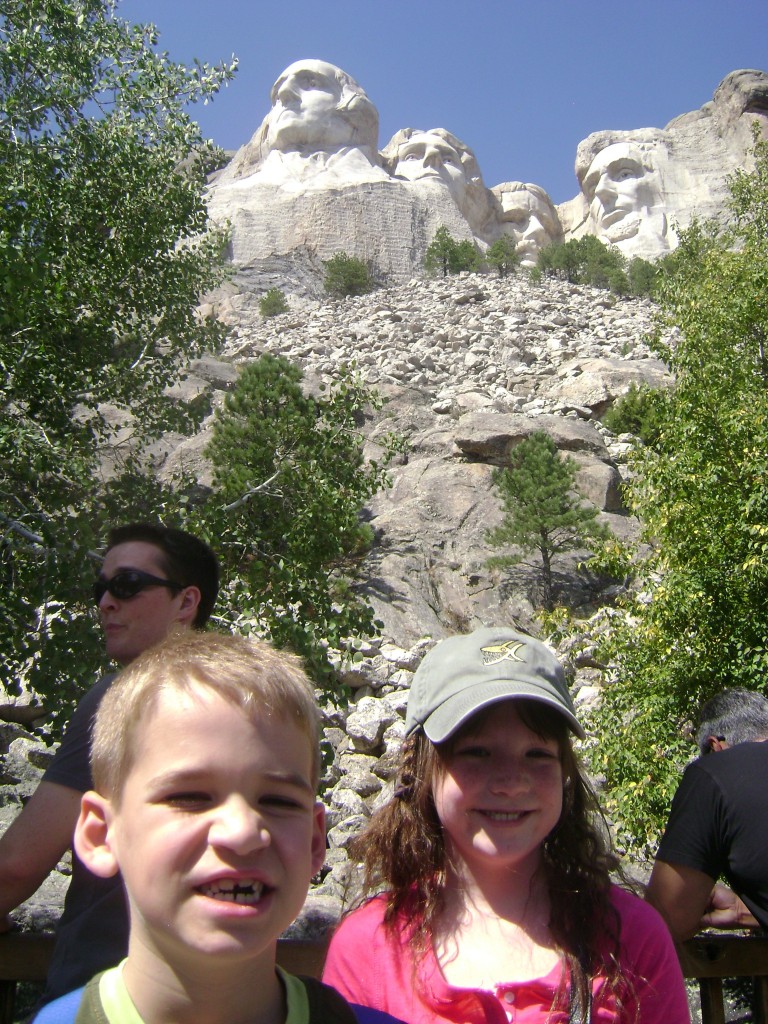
500, 793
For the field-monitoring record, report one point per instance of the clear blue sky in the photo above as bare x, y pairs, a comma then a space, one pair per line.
520, 81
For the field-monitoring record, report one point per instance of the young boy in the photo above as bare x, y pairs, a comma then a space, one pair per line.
205, 765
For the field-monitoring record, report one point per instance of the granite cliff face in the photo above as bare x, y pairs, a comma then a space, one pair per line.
469, 366
312, 182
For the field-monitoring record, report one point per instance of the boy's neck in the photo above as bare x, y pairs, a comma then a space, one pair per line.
239, 992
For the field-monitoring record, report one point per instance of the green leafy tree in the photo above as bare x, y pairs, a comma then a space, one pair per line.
273, 303
701, 620
503, 255
641, 276
543, 510
640, 411
445, 255
587, 261
290, 483
105, 250
347, 275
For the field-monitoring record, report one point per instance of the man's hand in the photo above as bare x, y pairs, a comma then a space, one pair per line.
726, 910
681, 895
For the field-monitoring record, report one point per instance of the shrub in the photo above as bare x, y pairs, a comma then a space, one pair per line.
346, 275
446, 256
503, 255
639, 412
273, 303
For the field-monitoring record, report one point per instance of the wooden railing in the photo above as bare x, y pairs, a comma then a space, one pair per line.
708, 959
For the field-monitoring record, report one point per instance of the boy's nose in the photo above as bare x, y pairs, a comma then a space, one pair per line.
239, 827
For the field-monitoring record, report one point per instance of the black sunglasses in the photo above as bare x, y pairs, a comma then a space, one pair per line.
128, 583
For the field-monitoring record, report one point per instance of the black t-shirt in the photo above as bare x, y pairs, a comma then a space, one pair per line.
93, 930
719, 822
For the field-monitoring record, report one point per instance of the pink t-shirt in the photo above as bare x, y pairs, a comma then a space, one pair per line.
369, 965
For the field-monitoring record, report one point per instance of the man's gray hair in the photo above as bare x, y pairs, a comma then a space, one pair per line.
734, 715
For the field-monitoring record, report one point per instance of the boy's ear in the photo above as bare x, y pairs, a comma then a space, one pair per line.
92, 835
318, 837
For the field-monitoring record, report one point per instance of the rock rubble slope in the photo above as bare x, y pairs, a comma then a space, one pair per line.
469, 366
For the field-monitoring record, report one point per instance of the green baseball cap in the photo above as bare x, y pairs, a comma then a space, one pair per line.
463, 674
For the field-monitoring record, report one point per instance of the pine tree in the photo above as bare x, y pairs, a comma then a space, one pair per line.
543, 511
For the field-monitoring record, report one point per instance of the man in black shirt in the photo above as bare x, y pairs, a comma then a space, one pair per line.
153, 580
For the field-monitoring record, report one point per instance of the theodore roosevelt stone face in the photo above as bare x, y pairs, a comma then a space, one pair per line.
529, 218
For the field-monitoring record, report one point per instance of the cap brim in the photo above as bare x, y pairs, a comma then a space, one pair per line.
454, 712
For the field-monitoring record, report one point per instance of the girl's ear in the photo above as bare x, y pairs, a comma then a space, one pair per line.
92, 835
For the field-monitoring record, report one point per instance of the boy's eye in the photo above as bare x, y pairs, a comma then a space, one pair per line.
188, 800
282, 802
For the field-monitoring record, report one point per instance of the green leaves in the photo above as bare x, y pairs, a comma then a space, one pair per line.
543, 511
105, 251
273, 303
503, 255
346, 275
446, 256
587, 260
701, 491
290, 483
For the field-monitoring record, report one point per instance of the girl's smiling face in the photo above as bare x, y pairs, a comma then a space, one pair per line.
500, 793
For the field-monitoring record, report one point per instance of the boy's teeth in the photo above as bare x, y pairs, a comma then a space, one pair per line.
234, 892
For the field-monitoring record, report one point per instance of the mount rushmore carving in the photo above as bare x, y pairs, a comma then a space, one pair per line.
312, 182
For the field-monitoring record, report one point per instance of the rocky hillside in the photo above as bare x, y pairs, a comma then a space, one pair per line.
469, 366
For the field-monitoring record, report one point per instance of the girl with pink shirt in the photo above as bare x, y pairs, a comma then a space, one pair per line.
494, 861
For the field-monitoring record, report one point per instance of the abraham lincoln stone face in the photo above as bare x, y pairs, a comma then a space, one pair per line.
622, 188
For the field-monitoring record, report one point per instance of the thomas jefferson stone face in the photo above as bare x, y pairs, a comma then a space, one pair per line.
530, 220
426, 155
305, 108
620, 188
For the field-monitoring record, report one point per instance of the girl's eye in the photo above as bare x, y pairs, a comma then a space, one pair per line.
472, 751
542, 752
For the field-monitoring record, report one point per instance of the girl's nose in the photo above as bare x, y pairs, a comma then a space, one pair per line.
509, 775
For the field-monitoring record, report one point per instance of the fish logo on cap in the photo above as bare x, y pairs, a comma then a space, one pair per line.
494, 653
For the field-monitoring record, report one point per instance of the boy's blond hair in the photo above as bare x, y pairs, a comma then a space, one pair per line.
250, 674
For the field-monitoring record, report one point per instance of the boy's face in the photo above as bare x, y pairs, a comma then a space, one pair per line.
218, 832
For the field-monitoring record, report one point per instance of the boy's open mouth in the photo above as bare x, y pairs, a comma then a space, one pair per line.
231, 891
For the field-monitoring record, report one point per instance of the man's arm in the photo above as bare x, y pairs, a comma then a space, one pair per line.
34, 843
681, 895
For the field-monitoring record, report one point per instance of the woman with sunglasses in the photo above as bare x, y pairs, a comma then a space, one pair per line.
153, 579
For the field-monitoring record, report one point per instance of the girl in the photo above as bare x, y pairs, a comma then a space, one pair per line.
498, 905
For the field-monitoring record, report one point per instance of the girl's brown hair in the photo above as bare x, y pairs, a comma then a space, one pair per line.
403, 851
